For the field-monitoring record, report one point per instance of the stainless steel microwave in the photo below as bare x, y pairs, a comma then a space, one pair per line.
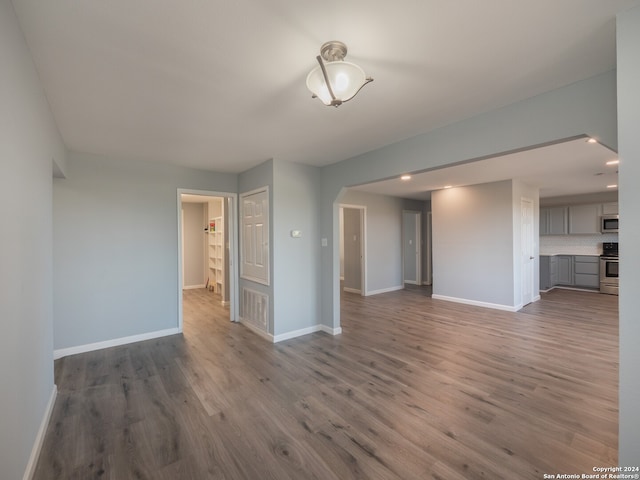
609, 223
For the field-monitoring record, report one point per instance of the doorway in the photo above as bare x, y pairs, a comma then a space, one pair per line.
353, 248
411, 247
207, 253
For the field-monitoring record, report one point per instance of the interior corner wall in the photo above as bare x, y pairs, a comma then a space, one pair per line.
252, 179
115, 243
29, 140
628, 51
473, 243
383, 229
296, 267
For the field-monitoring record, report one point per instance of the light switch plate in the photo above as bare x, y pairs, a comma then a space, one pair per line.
324, 242
296, 233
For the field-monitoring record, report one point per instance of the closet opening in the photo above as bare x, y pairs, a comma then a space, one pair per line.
207, 254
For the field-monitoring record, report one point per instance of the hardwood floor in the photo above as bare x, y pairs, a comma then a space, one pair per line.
414, 388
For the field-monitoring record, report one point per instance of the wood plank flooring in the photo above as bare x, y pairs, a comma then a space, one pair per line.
414, 388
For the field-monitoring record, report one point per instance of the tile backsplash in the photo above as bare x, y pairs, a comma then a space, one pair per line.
575, 244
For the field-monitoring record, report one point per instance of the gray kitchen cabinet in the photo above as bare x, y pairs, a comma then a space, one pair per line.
548, 271
610, 208
565, 269
569, 270
553, 220
544, 221
586, 271
584, 219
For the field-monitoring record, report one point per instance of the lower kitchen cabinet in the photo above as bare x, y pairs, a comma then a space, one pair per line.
586, 271
569, 270
548, 271
565, 270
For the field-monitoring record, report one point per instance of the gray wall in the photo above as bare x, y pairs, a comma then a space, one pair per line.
115, 241
194, 244
296, 265
383, 227
629, 198
257, 177
600, 197
29, 141
473, 243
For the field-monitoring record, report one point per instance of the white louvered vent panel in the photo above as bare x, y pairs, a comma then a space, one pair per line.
255, 308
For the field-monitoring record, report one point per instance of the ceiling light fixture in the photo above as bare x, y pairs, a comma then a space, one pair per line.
447, 186
405, 177
613, 162
612, 186
335, 81
592, 140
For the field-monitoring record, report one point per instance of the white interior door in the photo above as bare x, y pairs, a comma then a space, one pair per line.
255, 236
528, 257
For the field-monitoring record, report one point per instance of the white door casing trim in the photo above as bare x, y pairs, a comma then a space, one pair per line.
233, 247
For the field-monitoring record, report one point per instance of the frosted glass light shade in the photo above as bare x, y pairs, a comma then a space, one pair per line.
346, 80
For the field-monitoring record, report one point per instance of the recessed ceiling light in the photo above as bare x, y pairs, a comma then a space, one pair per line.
613, 162
447, 186
592, 140
612, 186
405, 177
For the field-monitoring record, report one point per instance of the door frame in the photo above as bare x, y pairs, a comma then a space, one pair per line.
418, 238
232, 226
363, 244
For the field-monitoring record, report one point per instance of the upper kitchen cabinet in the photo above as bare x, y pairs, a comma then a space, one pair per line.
554, 220
610, 208
584, 219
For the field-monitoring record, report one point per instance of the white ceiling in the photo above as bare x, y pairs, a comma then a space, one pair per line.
221, 85
570, 168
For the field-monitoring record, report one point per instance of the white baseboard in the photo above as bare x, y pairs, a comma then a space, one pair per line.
37, 445
426, 283
193, 287
266, 335
63, 352
411, 282
495, 306
352, 290
384, 290
296, 333
331, 331
307, 331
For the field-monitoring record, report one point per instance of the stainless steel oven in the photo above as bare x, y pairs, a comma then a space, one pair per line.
609, 275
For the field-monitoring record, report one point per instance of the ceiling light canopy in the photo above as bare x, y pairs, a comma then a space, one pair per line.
335, 81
